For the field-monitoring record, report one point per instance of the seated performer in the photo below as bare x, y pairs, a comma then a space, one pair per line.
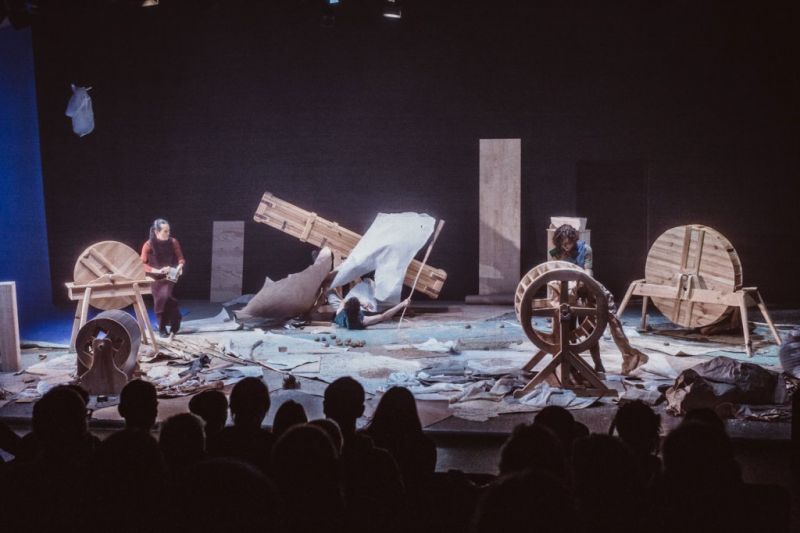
569, 248
350, 315
160, 254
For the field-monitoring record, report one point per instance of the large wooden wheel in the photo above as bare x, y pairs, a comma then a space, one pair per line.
578, 307
109, 258
693, 256
547, 291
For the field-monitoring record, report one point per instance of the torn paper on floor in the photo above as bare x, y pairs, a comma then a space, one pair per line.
430, 345
544, 395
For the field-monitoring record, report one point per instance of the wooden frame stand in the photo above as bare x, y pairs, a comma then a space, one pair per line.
578, 324
572, 366
85, 294
687, 290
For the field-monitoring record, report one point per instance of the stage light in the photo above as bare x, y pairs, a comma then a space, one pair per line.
329, 13
392, 9
150, 3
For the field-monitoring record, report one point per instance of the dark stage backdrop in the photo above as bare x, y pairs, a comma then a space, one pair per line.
199, 111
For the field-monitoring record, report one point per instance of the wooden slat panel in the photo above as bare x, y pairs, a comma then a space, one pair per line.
294, 221
500, 215
108, 257
227, 260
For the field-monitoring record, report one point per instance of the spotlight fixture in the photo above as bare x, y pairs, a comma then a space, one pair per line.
392, 9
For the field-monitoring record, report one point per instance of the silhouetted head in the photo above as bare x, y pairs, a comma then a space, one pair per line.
129, 454
705, 415
533, 446
80, 390
396, 414
344, 402
289, 414
182, 441
560, 421
702, 453
138, 405
604, 470
638, 426
305, 460
59, 420
249, 402
212, 407
249, 503
127, 467
352, 308
505, 505
330, 427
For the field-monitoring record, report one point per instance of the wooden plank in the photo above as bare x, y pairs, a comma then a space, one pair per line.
500, 215
10, 354
291, 219
227, 260
99, 292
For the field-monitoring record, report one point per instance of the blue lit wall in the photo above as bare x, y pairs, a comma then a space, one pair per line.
23, 246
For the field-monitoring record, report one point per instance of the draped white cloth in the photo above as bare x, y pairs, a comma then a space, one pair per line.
388, 247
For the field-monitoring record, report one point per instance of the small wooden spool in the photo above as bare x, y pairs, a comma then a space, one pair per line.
107, 348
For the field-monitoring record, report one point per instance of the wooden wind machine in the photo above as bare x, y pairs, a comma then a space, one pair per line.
309, 227
109, 276
578, 307
693, 275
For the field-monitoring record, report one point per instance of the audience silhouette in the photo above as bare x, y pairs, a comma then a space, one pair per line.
138, 405
372, 480
326, 475
639, 427
212, 407
182, 442
396, 428
246, 439
289, 414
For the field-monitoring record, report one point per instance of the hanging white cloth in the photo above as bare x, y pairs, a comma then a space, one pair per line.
79, 109
388, 247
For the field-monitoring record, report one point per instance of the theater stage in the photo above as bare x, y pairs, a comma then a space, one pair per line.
461, 361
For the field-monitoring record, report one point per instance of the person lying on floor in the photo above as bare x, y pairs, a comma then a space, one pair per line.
350, 314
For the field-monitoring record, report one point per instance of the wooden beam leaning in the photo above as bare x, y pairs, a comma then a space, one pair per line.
310, 227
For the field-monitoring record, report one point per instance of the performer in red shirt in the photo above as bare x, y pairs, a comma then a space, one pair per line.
163, 260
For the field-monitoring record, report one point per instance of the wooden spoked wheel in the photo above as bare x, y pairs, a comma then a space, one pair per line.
693, 257
106, 258
575, 294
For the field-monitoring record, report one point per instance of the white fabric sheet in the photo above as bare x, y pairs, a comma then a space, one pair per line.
80, 110
388, 247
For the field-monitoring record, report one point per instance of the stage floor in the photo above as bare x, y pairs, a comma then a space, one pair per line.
481, 341
450, 354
